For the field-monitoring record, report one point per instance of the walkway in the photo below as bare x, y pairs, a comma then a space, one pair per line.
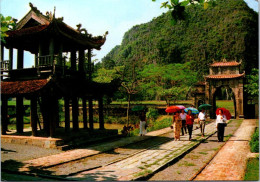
146, 162
230, 162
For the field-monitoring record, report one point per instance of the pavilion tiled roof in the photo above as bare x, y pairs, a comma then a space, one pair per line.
26, 31
223, 64
22, 87
225, 76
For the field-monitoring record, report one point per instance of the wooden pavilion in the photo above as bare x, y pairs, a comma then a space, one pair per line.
51, 79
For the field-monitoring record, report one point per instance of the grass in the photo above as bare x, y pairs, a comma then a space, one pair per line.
203, 153
252, 170
254, 142
185, 163
228, 104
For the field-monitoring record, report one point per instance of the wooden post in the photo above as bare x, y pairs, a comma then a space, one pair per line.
19, 114
2, 52
34, 115
4, 113
10, 66
81, 60
36, 60
73, 60
19, 59
89, 65
53, 115
90, 105
101, 115
67, 114
84, 108
60, 54
75, 114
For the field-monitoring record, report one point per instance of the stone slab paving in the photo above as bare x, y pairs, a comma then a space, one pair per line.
230, 162
145, 162
76, 154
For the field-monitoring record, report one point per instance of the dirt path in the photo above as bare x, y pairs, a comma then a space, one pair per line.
187, 167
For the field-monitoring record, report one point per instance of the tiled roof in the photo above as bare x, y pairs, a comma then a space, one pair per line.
231, 63
22, 87
225, 76
26, 31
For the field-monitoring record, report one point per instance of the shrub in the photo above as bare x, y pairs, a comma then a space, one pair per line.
254, 143
152, 114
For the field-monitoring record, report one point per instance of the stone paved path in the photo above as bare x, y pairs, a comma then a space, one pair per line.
230, 162
145, 162
76, 154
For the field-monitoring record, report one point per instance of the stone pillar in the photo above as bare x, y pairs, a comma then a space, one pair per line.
67, 114
75, 114
19, 114
19, 59
34, 116
73, 60
4, 115
84, 108
101, 114
81, 60
241, 97
89, 65
91, 122
10, 66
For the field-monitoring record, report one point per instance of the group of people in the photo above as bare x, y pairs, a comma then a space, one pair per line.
183, 122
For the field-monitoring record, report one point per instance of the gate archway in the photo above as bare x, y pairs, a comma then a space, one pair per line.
225, 74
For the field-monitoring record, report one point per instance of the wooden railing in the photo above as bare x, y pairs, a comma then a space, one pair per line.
47, 61
4, 65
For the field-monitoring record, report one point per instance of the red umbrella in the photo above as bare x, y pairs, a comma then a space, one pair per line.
225, 112
172, 109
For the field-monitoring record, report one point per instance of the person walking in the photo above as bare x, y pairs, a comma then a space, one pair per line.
142, 118
202, 121
189, 123
183, 122
177, 126
220, 125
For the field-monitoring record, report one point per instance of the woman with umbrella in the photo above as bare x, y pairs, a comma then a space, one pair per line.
220, 124
176, 120
189, 122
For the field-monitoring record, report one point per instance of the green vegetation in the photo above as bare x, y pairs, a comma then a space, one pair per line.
158, 61
203, 153
252, 85
252, 170
254, 142
7, 23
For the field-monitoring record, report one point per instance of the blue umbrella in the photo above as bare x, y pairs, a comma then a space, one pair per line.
193, 110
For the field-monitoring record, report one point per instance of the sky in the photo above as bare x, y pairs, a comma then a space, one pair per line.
97, 16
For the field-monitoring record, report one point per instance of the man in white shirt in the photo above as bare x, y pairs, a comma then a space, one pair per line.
202, 119
183, 120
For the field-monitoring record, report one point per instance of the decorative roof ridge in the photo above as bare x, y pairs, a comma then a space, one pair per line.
225, 63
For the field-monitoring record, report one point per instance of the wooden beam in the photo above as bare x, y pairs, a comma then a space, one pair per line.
90, 105
34, 116
84, 108
19, 114
101, 114
4, 113
19, 59
75, 114
67, 114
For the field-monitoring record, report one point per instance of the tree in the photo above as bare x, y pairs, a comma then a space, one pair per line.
7, 23
252, 86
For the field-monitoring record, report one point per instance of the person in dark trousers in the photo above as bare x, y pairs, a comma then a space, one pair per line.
220, 125
183, 120
189, 123
202, 121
